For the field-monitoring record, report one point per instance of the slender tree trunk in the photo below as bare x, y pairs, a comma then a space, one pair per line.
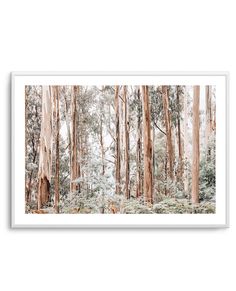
78, 149
195, 153
102, 148
147, 144
186, 143
127, 178
56, 93
180, 165
74, 160
165, 99
208, 117
45, 150
214, 118
166, 173
66, 113
82, 155
153, 158
122, 143
117, 140
139, 147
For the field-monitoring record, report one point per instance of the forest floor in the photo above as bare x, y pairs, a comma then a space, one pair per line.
117, 204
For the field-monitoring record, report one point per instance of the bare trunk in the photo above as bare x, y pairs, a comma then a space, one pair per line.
180, 164
139, 148
122, 142
153, 158
127, 179
45, 150
147, 144
117, 140
186, 143
165, 99
214, 117
208, 116
74, 160
102, 147
67, 126
166, 174
56, 93
195, 153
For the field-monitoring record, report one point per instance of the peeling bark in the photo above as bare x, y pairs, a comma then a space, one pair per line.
45, 151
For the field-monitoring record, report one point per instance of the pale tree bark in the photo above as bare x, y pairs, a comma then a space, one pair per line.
45, 148
208, 115
127, 174
165, 99
122, 141
66, 116
214, 117
139, 147
166, 172
117, 141
74, 158
102, 147
78, 147
147, 146
180, 148
57, 129
186, 142
153, 158
196, 152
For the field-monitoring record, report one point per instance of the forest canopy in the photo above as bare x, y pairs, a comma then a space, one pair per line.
120, 149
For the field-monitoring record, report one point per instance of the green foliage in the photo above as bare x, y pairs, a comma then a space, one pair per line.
83, 202
182, 206
208, 172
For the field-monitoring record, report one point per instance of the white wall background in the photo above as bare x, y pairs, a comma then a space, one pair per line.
114, 35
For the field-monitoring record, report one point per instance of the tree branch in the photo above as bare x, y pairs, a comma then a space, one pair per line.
159, 128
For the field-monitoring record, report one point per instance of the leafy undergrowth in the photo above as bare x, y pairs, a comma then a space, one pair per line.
118, 204
173, 206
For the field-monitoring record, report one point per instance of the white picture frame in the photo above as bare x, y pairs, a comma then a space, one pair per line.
19, 219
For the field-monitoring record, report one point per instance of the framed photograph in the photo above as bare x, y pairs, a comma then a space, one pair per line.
119, 149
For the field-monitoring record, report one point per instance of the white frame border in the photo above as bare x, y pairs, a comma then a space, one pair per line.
113, 73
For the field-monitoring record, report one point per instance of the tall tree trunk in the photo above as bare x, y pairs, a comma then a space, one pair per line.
78, 149
127, 178
180, 164
66, 113
165, 99
147, 145
57, 106
45, 149
186, 142
214, 118
122, 143
166, 173
102, 148
117, 140
195, 153
208, 118
153, 158
74, 159
139, 148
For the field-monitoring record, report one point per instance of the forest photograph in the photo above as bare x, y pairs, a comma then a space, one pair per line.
122, 149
